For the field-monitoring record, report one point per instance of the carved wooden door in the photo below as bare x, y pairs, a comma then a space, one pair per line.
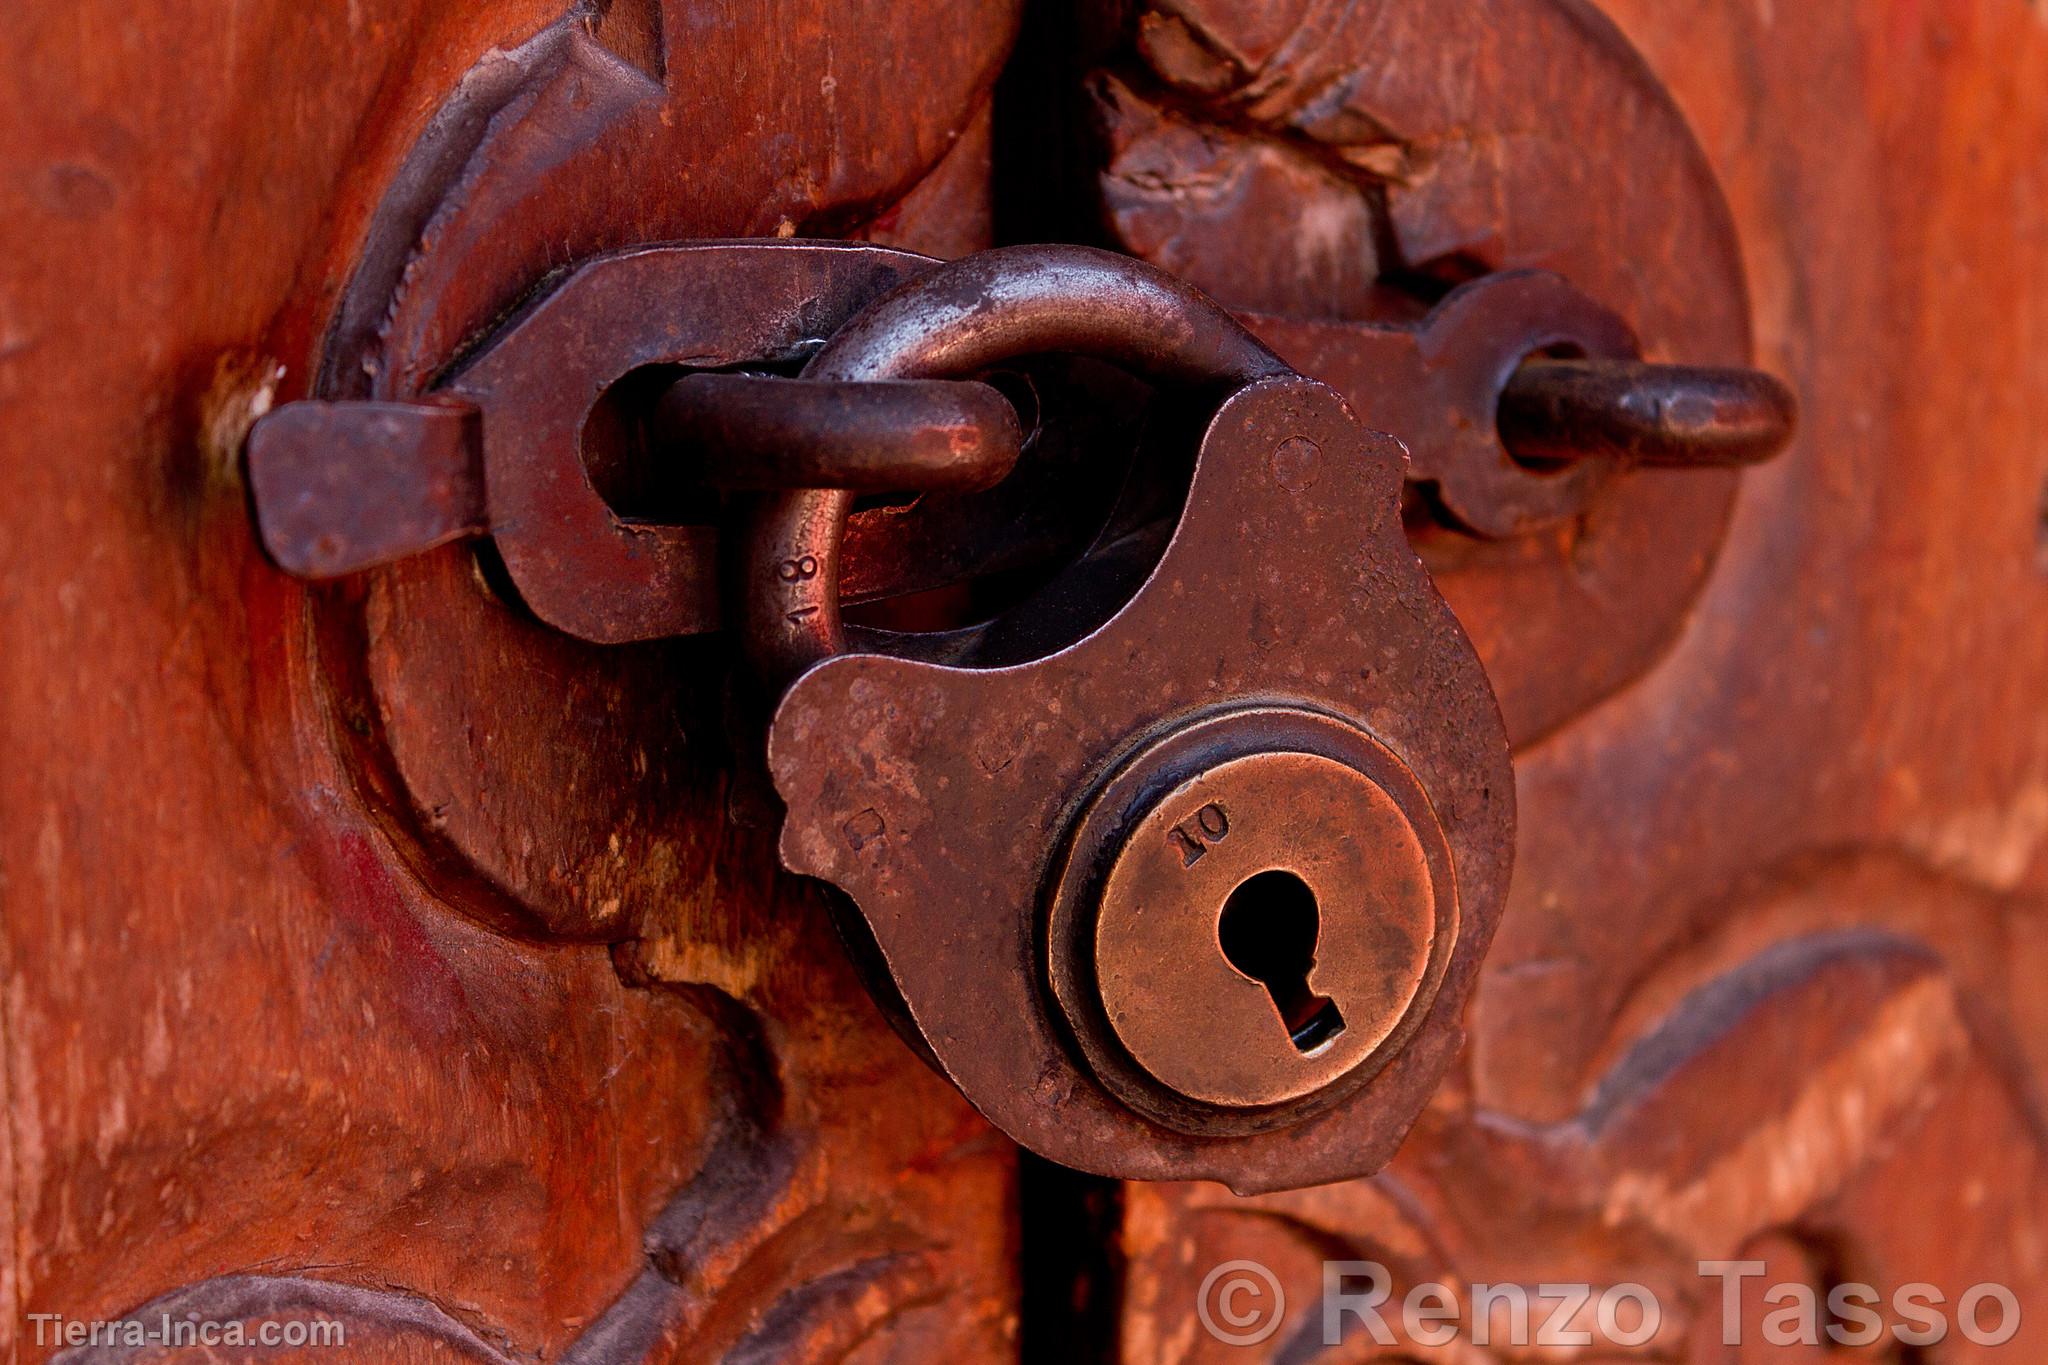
375, 955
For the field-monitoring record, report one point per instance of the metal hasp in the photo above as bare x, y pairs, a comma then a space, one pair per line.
498, 447
1509, 436
1199, 894
1510, 440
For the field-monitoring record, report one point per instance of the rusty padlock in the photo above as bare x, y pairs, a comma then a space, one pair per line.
1200, 893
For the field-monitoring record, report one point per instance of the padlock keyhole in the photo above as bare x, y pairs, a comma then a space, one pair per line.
1268, 931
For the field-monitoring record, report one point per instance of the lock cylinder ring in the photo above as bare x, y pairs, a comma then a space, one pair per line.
1164, 865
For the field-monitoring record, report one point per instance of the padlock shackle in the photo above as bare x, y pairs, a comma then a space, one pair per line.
960, 319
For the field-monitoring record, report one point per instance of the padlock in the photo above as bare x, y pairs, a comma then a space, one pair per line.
1202, 892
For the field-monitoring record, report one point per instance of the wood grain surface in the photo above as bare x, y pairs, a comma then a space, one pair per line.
1771, 976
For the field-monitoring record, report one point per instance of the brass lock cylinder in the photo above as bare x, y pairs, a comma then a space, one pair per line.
1253, 913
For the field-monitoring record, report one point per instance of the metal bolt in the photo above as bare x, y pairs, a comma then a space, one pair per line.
1691, 416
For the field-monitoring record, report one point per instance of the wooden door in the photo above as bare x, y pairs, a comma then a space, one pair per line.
375, 955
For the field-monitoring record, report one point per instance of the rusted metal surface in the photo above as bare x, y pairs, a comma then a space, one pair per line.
342, 487
969, 316
928, 791
759, 432
1509, 445
576, 563
921, 788
1489, 430
1687, 416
